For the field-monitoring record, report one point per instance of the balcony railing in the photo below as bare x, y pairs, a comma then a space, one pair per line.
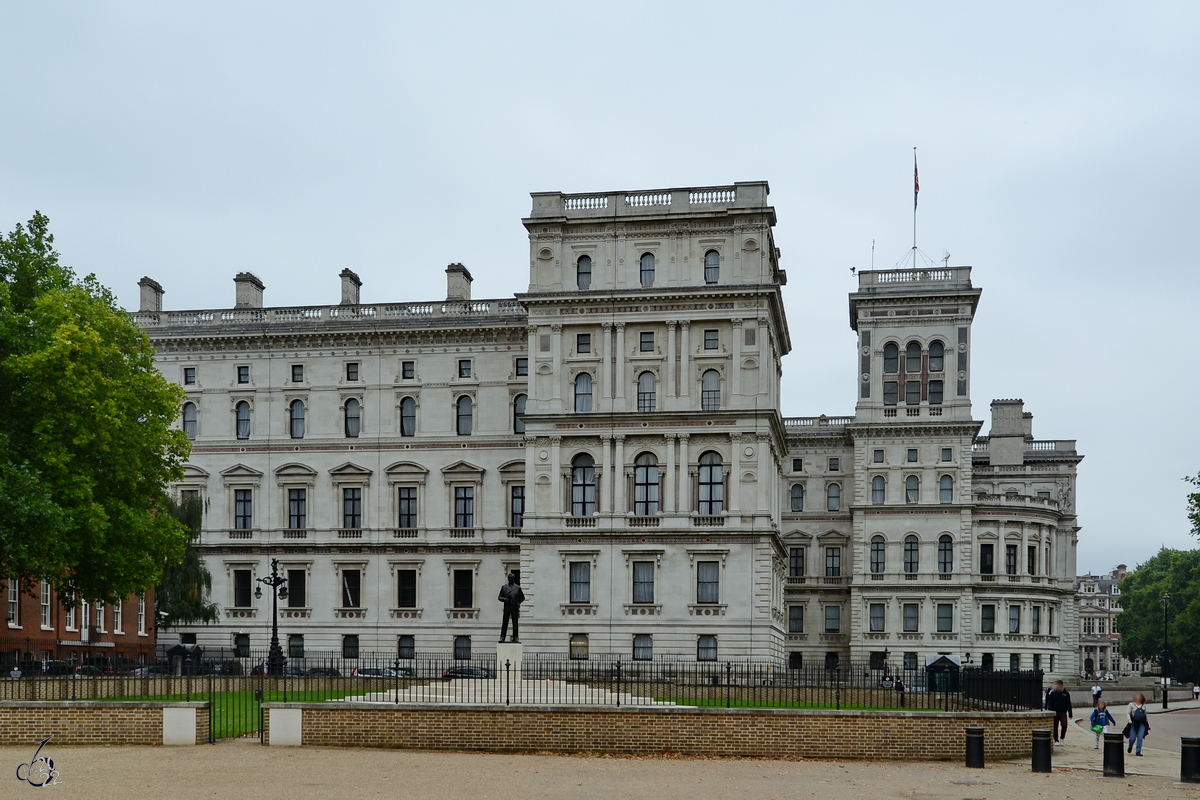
313, 316
580, 522
708, 522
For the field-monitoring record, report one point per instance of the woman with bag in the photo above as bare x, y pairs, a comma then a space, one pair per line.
1100, 721
1139, 723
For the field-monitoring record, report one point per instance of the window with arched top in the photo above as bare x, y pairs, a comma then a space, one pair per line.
191, 420
408, 416
912, 489
296, 419
946, 489
891, 357
711, 480
945, 554
353, 418
645, 485
583, 393
710, 390
519, 413
647, 269
242, 412
937, 357
797, 497
878, 555
712, 266
912, 358
583, 486
878, 490
464, 415
912, 554
646, 391
833, 497
583, 272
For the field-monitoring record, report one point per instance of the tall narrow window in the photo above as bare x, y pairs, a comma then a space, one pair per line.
912, 617
912, 489
935, 393
297, 509
406, 588
708, 581
352, 371
351, 588
645, 485
643, 581
406, 647
987, 559
946, 489
297, 373
796, 619
408, 370
878, 490
352, 508
891, 392
912, 393
353, 418
297, 582
891, 358
519, 413
14, 602
1010, 559
189, 376
1031, 559
295, 645
912, 554
296, 421
875, 618
712, 266
45, 603
945, 554
190, 420
945, 617
521, 367
987, 618
643, 647
937, 356
646, 392
833, 562
583, 393
465, 415
516, 506
833, 497
797, 497
878, 555
118, 616
408, 417
1014, 619
1035, 621
243, 374
243, 511
464, 588
577, 646
242, 411
583, 272
706, 648
408, 507
241, 588
464, 506
710, 390
647, 264
796, 562
833, 619
711, 481
350, 645
912, 359
141, 615
583, 486
581, 581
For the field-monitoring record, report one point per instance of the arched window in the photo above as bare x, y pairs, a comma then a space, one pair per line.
891, 357
711, 485
353, 418
242, 411
833, 497
646, 392
519, 413
878, 555
878, 490
190, 420
583, 272
712, 266
912, 489
296, 419
710, 390
945, 554
408, 417
912, 358
647, 264
946, 489
797, 497
645, 485
912, 554
465, 415
583, 486
583, 393
937, 357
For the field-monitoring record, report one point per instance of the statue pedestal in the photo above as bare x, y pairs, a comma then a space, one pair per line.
510, 652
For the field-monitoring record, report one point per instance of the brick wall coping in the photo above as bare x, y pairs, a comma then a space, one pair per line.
98, 704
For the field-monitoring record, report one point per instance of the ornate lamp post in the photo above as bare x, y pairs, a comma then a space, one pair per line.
275, 659
1166, 656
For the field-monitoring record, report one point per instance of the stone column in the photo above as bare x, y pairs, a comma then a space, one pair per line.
556, 472
556, 355
685, 382
733, 502
764, 452
619, 504
735, 368
685, 485
619, 394
608, 476
606, 366
667, 490
669, 372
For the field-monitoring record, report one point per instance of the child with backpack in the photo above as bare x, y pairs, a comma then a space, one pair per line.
1100, 721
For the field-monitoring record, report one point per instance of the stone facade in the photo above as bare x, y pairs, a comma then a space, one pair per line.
615, 434
1099, 598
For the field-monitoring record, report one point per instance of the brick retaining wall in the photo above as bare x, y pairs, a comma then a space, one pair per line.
91, 722
687, 731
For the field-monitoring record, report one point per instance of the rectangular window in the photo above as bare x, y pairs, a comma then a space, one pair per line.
351, 588
296, 645
750, 335
912, 455
522, 367
464, 368
297, 508
935, 393
1014, 619
408, 370
890, 392
910, 661
912, 617
406, 647
1014, 662
833, 619
987, 562
834, 464
406, 588
242, 509
647, 342
708, 582
464, 506
947, 454
352, 371
241, 588
100, 617
712, 339
141, 615
243, 374
119, 617
583, 343
912, 393
69, 622
876, 617
1037, 661
797, 465
45, 603
987, 619
1010, 559
1050, 622
581, 581
877, 456
189, 376
408, 507
1035, 622
464, 588
796, 562
297, 584
795, 619
643, 647
14, 595
578, 646
350, 645
516, 506
706, 648
833, 562
352, 508
1031, 559
945, 617
297, 373
643, 581
462, 647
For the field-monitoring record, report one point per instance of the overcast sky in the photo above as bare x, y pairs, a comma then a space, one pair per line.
1058, 151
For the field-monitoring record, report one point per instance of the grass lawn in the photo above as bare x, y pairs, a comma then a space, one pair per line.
733, 703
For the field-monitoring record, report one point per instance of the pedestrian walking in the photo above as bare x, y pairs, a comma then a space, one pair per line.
1097, 690
1196, 691
1059, 701
1139, 723
1100, 721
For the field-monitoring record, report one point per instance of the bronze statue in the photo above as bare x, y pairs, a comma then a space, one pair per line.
512, 597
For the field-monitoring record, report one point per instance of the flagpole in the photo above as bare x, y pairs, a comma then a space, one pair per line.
916, 191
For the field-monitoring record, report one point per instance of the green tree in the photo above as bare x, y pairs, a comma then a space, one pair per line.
1174, 572
182, 594
86, 445
1193, 504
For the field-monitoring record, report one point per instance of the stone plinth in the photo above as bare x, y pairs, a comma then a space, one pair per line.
511, 653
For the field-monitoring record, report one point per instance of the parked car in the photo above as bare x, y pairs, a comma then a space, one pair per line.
324, 672
289, 671
468, 672
147, 671
382, 672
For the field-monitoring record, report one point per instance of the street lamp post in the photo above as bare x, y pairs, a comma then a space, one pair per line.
275, 659
1166, 656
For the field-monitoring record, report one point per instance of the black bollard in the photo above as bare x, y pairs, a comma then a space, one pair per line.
1041, 751
975, 748
1189, 759
1114, 755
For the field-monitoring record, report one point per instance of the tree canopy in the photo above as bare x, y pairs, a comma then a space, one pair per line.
1193, 504
1176, 572
86, 441
182, 595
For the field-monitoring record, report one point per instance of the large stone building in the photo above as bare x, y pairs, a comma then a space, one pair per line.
615, 434
1099, 640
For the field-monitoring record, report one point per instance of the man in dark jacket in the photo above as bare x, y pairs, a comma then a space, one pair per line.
1059, 701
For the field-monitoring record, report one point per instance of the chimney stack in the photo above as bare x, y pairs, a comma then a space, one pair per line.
1006, 440
249, 293
152, 293
350, 286
458, 283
